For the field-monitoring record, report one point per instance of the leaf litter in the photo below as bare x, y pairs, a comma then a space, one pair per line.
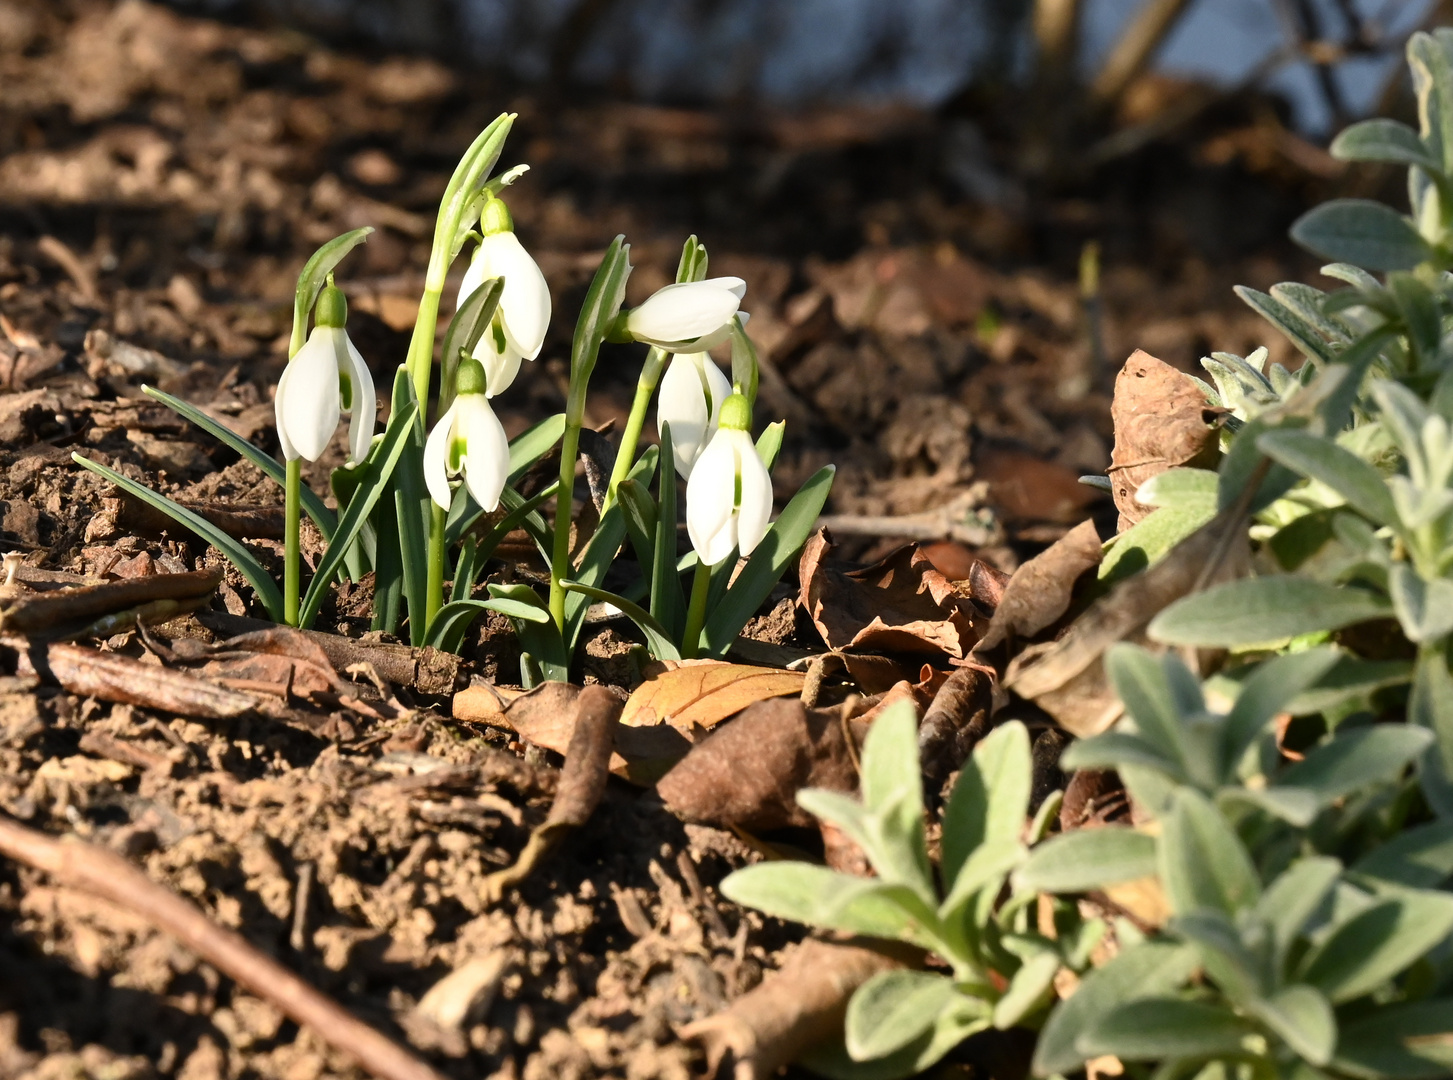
348, 804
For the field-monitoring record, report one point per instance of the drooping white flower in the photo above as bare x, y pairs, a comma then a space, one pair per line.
729, 495
690, 316
517, 331
692, 392
468, 439
324, 380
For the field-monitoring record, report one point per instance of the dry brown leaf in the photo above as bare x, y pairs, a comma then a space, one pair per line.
701, 695
1040, 591
747, 773
1066, 678
899, 605
1162, 421
954, 723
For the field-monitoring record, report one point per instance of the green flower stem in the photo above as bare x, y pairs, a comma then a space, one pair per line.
560, 554
696, 612
631, 436
292, 555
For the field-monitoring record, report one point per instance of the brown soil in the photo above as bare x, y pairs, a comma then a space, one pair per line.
162, 179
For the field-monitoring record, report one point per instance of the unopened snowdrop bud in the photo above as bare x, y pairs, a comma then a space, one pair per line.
729, 495
691, 316
517, 331
692, 392
324, 380
468, 439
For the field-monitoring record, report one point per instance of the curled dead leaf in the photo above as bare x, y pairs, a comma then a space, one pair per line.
1162, 421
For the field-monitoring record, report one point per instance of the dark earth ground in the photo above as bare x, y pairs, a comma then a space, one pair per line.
161, 181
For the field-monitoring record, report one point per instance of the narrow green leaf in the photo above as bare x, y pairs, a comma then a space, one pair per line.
602, 302
266, 589
892, 1009
1203, 863
1297, 330
516, 609
1362, 232
411, 505
640, 515
1274, 683
1144, 682
1087, 859
1153, 1029
1341, 470
769, 443
397, 438
465, 329
465, 568
1369, 948
453, 620
990, 799
1290, 902
657, 639
1145, 970
1031, 988
767, 564
1407, 1041
1301, 1017
313, 506
1382, 140
1418, 858
1264, 609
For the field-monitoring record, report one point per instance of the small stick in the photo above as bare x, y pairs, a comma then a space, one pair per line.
299, 937
914, 527
120, 679
44, 612
107, 875
686, 866
582, 783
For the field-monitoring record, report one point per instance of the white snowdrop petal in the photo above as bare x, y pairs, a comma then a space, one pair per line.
486, 450
500, 369
365, 402
309, 409
734, 285
709, 496
683, 312
720, 387
474, 277
436, 459
289, 452
682, 404
755, 512
525, 303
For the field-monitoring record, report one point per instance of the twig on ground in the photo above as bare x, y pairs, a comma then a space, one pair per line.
70, 612
931, 526
120, 679
582, 783
102, 873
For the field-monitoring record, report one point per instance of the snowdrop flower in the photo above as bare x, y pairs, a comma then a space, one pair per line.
688, 317
325, 379
468, 439
729, 495
518, 329
692, 392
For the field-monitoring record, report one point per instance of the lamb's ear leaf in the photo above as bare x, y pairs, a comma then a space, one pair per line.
261, 581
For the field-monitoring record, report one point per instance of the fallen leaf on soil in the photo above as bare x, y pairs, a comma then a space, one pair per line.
582, 783
280, 656
72, 612
1040, 591
1026, 488
747, 773
1162, 421
795, 1008
701, 695
954, 723
1066, 678
462, 997
899, 605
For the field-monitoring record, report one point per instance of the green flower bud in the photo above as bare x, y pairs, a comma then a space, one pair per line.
736, 414
470, 378
495, 218
332, 309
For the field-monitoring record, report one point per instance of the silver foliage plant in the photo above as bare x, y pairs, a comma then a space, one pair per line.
1306, 925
